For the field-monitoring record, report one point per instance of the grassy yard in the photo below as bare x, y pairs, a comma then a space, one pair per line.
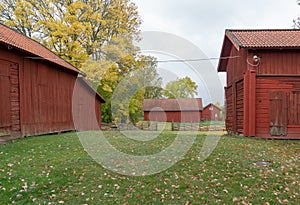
55, 169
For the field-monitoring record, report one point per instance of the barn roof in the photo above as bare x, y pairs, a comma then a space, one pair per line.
283, 38
211, 104
19, 41
258, 39
179, 104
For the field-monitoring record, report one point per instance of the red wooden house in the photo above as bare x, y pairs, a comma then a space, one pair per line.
263, 82
211, 112
173, 110
36, 88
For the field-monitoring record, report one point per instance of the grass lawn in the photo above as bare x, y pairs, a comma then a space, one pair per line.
55, 169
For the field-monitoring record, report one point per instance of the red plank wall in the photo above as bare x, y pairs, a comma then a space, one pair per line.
37, 96
46, 98
86, 108
211, 113
10, 99
265, 85
174, 116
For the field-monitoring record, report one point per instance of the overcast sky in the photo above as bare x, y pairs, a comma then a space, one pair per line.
203, 22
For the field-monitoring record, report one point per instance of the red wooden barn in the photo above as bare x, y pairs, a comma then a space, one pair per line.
37, 88
211, 112
173, 110
263, 82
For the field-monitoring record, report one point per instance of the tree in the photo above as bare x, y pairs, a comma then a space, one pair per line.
73, 29
127, 99
96, 36
297, 21
181, 88
218, 104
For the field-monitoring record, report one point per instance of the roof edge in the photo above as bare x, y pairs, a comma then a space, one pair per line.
91, 88
71, 68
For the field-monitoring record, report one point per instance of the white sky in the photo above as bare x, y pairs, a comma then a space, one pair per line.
203, 22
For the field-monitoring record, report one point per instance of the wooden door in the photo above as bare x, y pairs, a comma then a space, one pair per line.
278, 113
5, 107
294, 108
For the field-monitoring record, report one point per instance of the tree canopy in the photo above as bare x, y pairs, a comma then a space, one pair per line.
97, 36
74, 29
181, 88
297, 20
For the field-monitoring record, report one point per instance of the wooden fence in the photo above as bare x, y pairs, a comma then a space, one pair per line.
172, 126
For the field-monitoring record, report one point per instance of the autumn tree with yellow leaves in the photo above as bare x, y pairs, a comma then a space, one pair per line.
97, 36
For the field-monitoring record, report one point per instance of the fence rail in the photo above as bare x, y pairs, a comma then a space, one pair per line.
172, 126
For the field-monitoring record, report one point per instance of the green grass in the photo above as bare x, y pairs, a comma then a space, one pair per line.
55, 169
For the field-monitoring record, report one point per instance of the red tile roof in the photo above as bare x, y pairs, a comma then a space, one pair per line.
16, 40
284, 38
257, 39
211, 105
180, 104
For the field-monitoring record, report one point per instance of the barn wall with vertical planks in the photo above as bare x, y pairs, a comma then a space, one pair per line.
47, 98
236, 67
10, 99
267, 103
37, 88
265, 109
86, 112
173, 116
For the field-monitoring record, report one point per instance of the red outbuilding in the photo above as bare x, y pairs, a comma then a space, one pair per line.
211, 112
263, 82
173, 110
37, 89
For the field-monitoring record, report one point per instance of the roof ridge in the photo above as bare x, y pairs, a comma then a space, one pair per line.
265, 38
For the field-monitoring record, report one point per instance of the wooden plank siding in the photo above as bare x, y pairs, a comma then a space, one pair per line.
15, 98
173, 116
278, 62
173, 110
85, 117
267, 85
294, 108
37, 89
236, 67
211, 113
47, 98
239, 106
278, 113
268, 62
5, 107
229, 108
10, 99
37, 96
